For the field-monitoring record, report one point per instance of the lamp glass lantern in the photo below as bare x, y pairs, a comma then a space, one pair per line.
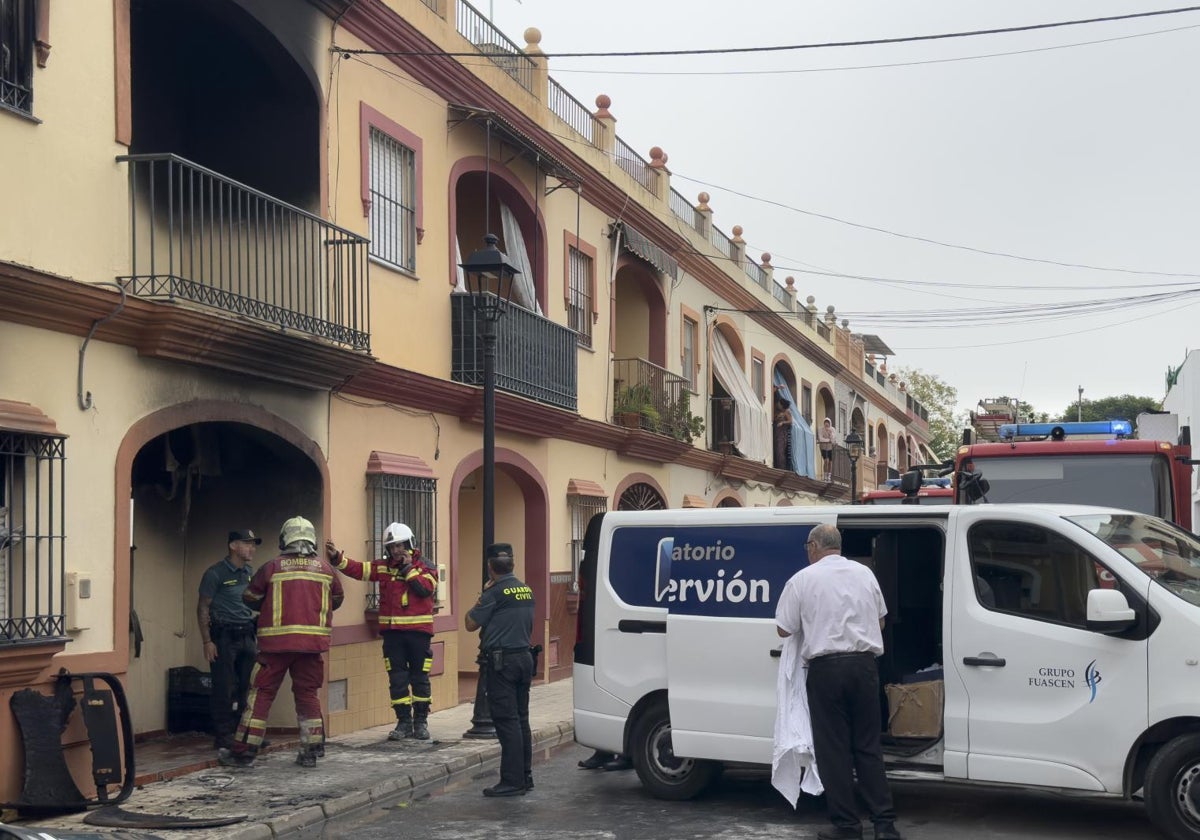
489, 277
854, 445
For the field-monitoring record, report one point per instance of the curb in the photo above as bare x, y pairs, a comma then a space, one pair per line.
311, 815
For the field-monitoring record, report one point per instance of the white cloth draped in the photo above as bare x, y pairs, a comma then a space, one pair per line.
751, 424
524, 292
793, 763
460, 276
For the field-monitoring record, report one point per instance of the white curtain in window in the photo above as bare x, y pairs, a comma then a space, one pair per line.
751, 424
524, 291
460, 277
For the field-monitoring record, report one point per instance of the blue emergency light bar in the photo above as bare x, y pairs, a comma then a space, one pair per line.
1116, 428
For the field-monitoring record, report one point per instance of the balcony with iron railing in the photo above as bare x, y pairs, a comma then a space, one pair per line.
491, 42
200, 237
535, 357
636, 166
651, 398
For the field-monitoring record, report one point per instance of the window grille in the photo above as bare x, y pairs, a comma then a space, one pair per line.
407, 499
579, 303
32, 537
16, 54
580, 510
689, 353
393, 202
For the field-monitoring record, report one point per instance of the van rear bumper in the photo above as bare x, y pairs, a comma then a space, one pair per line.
599, 716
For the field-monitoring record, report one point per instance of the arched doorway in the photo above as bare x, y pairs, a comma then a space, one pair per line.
186, 477
522, 519
480, 191
640, 313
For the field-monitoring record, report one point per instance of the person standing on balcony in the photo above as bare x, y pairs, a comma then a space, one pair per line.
228, 634
826, 438
783, 432
406, 602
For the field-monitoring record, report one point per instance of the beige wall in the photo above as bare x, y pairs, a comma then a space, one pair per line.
67, 170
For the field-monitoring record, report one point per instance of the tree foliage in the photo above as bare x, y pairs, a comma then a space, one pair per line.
941, 401
1123, 407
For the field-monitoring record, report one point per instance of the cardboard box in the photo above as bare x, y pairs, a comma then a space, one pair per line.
915, 709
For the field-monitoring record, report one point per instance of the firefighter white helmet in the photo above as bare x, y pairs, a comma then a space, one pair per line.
398, 532
297, 531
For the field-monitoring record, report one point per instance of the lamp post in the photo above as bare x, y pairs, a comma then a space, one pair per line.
854, 449
489, 278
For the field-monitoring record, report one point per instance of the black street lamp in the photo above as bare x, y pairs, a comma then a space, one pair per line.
854, 448
489, 277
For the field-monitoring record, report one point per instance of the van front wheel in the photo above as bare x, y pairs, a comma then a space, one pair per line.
1172, 788
666, 775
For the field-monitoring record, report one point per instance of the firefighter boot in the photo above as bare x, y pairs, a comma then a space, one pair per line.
420, 729
307, 757
404, 724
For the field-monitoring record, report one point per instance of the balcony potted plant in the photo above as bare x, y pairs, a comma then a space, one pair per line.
634, 407
681, 424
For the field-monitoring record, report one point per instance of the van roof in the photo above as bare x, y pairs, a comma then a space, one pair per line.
701, 516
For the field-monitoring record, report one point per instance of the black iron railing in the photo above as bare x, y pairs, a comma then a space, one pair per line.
841, 465
571, 111
32, 538
722, 416
650, 397
634, 164
202, 237
493, 43
535, 357
722, 242
684, 209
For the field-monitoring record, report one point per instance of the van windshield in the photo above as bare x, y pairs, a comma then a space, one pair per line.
1167, 553
1140, 482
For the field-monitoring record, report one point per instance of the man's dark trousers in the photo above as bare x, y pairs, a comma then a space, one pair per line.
508, 699
843, 700
404, 654
236, 650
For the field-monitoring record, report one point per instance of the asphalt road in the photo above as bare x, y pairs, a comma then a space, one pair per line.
599, 805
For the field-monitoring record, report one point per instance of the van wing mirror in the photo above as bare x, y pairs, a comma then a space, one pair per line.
910, 483
1108, 612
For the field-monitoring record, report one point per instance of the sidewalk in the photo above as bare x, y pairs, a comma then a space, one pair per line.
358, 769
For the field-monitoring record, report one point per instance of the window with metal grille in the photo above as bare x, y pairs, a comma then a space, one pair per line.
393, 202
579, 303
32, 534
16, 54
407, 499
580, 510
690, 330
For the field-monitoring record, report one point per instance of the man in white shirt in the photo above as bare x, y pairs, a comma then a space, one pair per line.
837, 609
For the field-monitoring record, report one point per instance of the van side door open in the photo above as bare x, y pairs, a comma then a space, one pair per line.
1050, 702
720, 586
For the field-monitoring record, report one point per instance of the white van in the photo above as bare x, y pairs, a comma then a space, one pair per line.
1067, 639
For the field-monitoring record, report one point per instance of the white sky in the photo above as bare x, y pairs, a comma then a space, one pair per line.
1081, 155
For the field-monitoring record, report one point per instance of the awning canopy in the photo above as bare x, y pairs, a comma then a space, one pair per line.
641, 247
875, 344
526, 146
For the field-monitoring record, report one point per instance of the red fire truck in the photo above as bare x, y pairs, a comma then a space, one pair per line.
1097, 463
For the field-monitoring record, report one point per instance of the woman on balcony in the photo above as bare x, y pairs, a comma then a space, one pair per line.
826, 439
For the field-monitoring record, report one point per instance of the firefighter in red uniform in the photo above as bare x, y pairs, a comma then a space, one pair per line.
406, 601
296, 594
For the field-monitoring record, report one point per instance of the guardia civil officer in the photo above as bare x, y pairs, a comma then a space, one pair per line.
228, 634
505, 614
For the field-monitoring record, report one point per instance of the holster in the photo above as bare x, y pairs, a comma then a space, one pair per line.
496, 658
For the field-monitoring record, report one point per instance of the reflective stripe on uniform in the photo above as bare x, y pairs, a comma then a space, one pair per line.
405, 619
403, 701
298, 629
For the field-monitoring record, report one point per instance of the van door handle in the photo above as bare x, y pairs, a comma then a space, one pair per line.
988, 661
777, 652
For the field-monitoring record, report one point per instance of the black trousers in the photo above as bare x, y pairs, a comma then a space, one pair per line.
236, 651
407, 657
508, 699
843, 700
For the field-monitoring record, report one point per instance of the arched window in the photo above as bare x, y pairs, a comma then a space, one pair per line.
641, 497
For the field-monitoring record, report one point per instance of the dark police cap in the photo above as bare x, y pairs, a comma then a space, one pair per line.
499, 550
245, 536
